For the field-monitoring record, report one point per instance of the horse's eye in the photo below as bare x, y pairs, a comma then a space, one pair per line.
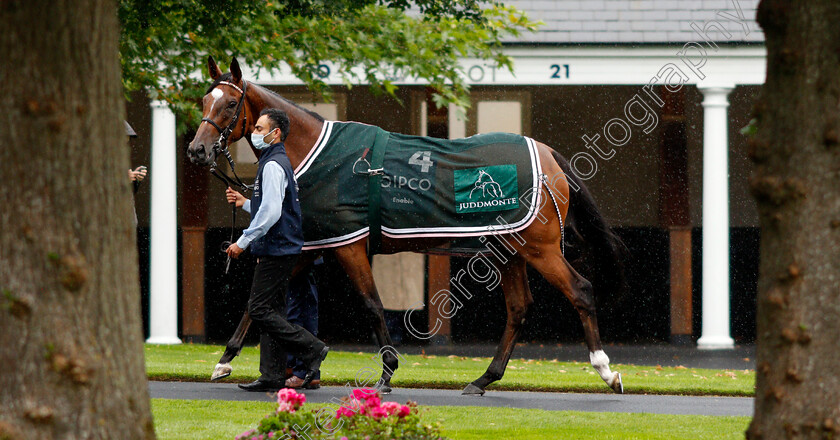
232, 104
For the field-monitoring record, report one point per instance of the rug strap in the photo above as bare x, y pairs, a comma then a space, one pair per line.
377, 151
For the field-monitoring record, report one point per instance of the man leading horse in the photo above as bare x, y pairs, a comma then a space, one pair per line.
275, 237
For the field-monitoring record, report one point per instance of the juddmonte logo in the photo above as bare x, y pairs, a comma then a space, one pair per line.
483, 189
486, 184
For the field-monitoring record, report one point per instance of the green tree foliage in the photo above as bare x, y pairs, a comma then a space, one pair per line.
165, 43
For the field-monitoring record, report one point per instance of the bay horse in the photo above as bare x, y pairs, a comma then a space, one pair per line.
540, 245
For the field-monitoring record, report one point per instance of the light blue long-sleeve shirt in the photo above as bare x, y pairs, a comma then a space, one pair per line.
274, 181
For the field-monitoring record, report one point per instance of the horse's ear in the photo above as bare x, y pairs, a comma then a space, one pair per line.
214, 69
235, 71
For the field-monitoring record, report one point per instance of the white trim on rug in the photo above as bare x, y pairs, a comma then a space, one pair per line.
323, 138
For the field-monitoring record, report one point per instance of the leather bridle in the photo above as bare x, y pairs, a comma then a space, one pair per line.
221, 144
221, 147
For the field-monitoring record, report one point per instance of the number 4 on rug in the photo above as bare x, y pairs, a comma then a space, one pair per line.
422, 159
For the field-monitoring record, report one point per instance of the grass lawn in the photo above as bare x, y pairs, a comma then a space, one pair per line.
215, 419
192, 362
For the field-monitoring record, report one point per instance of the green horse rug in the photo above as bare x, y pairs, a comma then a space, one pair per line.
359, 179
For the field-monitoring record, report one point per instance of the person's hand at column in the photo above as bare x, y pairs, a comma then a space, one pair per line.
137, 174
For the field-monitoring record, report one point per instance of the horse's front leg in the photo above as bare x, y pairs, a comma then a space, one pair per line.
514, 280
234, 346
354, 260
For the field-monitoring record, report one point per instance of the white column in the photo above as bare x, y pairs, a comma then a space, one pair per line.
457, 124
715, 219
163, 288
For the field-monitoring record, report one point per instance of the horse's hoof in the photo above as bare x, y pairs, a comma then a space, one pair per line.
472, 390
383, 387
616, 384
221, 371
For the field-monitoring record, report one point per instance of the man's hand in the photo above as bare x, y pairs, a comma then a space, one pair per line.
234, 251
235, 197
137, 174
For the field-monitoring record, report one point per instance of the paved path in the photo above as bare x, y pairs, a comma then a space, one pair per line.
628, 403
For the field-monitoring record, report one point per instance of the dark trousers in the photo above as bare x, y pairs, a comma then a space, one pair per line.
267, 307
302, 309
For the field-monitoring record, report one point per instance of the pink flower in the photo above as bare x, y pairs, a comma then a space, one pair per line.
289, 400
364, 393
246, 434
345, 412
378, 413
290, 395
404, 411
391, 407
372, 401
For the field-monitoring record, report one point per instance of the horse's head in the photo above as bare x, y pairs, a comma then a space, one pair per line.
220, 106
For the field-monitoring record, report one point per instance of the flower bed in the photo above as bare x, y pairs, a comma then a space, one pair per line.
361, 417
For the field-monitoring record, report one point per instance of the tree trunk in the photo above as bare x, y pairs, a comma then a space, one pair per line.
71, 349
797, 186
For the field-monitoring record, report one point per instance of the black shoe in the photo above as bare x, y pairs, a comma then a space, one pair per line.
262, 385
314, 366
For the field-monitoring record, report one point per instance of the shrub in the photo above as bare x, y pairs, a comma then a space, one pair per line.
361, 417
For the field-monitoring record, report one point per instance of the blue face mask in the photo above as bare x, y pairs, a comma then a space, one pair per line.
259, 141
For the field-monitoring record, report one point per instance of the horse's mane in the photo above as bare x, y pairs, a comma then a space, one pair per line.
294, 104
228, 77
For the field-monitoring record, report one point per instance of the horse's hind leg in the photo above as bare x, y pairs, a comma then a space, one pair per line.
517, 299
578, 290
354, 260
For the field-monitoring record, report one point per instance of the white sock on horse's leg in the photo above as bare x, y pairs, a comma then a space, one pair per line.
221, 371
601, 362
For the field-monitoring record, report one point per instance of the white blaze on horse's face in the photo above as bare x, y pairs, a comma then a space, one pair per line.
216, 94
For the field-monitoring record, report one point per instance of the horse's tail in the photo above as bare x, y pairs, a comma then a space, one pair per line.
589, 235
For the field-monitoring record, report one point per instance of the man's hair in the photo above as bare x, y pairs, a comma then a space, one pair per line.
278, 119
